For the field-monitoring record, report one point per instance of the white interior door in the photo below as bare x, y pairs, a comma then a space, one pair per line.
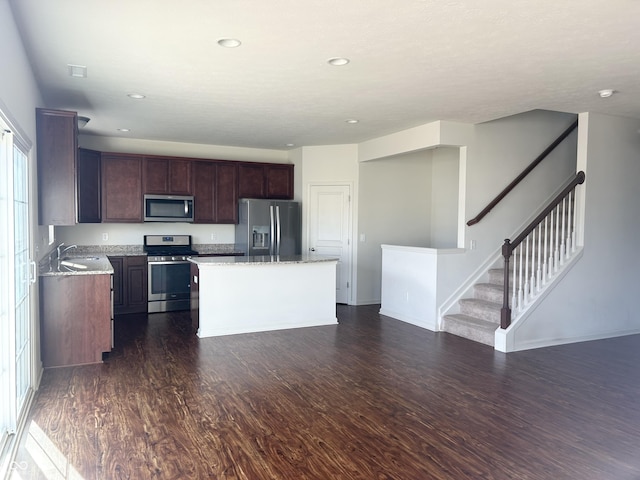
329, 230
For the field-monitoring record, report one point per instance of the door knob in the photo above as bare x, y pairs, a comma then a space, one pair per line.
312, 249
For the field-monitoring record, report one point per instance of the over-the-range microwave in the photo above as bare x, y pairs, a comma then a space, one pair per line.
168, 208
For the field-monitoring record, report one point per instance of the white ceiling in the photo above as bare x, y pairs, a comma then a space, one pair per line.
412, 62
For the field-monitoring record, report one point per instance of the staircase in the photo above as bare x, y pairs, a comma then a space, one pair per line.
479, 316
535, 259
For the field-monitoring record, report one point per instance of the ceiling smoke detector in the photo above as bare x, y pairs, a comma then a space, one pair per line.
606, 93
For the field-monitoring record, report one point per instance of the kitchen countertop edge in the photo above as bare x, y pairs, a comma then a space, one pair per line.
261, 260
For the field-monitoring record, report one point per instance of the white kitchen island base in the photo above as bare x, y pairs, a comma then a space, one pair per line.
256, 294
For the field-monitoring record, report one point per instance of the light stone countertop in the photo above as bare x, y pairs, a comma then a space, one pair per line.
77, 264
95, 258
262, 260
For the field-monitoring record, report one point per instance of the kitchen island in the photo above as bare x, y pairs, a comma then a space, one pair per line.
231, 295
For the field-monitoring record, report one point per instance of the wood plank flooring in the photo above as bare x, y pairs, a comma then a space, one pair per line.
370, 398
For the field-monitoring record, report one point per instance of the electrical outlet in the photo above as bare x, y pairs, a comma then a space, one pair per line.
214, 237
105, 236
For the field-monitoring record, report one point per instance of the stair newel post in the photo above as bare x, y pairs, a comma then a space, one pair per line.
505, 312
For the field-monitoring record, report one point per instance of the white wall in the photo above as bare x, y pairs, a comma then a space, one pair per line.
444, 197
498, 152
598, 296
193, 150
395, 208
19, 97
330, 165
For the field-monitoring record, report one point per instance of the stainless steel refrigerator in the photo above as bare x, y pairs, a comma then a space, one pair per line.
268, 227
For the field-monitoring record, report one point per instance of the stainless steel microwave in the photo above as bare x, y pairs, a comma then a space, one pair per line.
168, 208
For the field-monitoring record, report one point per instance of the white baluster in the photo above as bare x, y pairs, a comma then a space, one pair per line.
562, 243
526, 271
514, 303
538, 257
520, 292
551, 245
544, 260
556, 251
573, 229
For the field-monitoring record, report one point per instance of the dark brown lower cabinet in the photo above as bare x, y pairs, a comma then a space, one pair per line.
129, 284
75, 316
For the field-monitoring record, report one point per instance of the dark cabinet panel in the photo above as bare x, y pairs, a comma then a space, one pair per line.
75, 319
167, 175
118, 275
121, 188
137, 276
129, 284
265, 180
57, 133
226, 193
89, 186
251, 182
204, 174
215, 192
279, 181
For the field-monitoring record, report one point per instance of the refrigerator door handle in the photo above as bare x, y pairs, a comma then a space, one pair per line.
272, 224
278, 230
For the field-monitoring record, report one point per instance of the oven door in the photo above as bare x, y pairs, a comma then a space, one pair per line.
169, 286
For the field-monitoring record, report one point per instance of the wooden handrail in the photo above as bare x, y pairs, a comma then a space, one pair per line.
522, 175
577, 180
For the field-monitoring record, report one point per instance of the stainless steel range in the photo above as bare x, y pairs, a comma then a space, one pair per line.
169, 272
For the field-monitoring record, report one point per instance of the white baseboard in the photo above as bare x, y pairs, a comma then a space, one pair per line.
419, 322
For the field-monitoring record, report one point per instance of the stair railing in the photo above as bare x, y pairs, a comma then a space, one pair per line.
539, 251
522, 175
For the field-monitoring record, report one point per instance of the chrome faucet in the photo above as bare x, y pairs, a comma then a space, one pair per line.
61, 250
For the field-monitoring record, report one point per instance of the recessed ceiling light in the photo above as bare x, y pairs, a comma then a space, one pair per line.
338, 61
79, 71
606, 93
352, 121
290, 145
124, 130
229, 42
137, 96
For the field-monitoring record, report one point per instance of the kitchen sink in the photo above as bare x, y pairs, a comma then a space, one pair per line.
74, 259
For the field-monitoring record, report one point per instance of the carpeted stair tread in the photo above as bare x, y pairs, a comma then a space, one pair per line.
482, 309
470, 327
491, 292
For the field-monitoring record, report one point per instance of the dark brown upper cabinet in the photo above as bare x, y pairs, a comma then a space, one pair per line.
251, 180
215, 187
89, 186
265, 180
57, 141
279, 181
121, 188
226, 192
167, 175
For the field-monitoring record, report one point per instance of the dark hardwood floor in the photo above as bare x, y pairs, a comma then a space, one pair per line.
371, 398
